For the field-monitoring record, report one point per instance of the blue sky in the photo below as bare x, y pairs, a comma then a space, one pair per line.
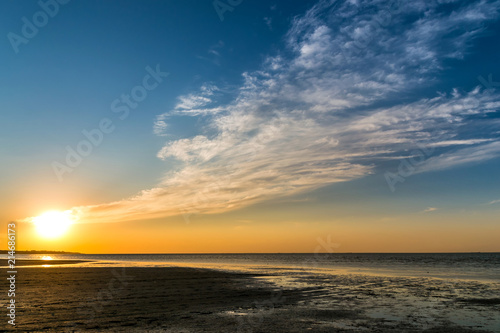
90, 53
372, 105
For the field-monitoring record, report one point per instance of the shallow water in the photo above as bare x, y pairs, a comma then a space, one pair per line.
464, 266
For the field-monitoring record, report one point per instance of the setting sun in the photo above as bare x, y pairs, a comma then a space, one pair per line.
53, 224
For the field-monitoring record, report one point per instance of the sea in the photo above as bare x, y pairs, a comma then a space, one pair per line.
464, 266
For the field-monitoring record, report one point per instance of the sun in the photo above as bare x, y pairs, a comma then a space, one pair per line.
53, 224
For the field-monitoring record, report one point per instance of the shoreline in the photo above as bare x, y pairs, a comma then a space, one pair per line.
247, 267
186, 299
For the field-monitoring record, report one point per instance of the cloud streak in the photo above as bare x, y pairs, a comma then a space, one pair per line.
313, 115
494, 202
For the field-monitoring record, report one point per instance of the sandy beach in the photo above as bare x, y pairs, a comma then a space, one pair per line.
181, 299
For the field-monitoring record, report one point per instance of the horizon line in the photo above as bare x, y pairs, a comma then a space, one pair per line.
226, 253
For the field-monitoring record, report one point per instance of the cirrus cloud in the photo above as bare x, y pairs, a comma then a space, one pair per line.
327, 109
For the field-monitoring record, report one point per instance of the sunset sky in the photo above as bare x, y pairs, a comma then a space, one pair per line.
261, 126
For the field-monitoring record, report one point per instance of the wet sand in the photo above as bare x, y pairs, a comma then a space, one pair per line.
175, 299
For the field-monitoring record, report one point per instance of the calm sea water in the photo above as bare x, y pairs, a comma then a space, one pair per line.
470, 266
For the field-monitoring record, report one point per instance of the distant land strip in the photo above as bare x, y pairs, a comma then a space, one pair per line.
40, 252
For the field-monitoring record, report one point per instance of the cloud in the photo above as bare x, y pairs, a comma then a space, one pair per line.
192, 104
214, 53
458, 142
269, 22
327, 109
475, 154
430, 209
494, 202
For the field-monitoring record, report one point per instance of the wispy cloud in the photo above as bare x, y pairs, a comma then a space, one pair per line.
269, 22
494, 202
312, 115
458, 142
192, 104
430, 209
475, 154
214, 53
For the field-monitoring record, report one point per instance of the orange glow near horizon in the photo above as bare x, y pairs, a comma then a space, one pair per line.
224, 234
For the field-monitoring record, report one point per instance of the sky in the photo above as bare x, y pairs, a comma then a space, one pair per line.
252, 126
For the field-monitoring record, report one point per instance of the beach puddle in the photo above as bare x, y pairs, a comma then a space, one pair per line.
235, 313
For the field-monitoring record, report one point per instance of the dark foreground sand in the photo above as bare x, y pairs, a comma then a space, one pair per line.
171, 299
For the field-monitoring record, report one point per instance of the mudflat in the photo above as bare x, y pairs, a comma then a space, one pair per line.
182, 299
